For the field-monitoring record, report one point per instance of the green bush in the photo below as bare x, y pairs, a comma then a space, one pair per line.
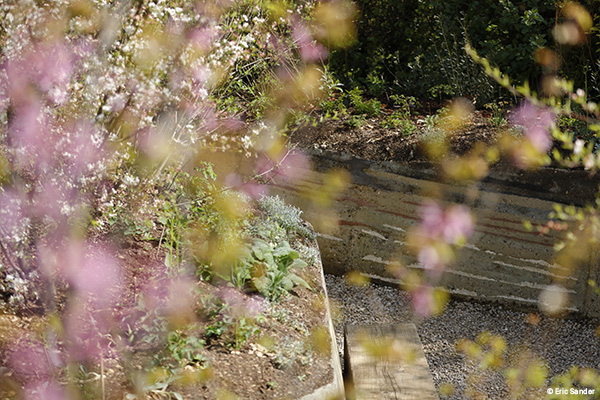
370, 107
417, 47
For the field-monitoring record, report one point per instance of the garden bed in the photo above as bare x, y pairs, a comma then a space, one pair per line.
218, 341
373, 140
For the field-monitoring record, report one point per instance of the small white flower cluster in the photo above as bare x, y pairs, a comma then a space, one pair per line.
140, 77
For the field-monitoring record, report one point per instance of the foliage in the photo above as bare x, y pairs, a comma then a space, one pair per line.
226, 323
498, 113
184, 349
277, 276
285, 216
370, 108
269, 270
416, 47
355, 121
400, 117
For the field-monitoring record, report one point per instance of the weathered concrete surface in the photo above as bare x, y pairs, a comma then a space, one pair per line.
502, 261
334, 390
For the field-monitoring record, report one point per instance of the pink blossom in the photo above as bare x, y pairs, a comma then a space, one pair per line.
432, 219
43, 67
433, 262
458, 224
173, 297
30, 131
231, 124
98, 276
27, 359
310, 50
537, 122
250, 188
452, 225
207, 114
11, 211
47, 390
294, 166
81, 149
423, 301
92, 271
203, 38
291, 167
88, 329
240, 304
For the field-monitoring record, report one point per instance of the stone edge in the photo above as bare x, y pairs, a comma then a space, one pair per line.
335, 389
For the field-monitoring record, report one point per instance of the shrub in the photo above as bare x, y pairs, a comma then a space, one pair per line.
370, 107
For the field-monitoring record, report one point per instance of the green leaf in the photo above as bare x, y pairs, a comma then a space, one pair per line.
284, 249
287, 283
299, 281
261, 283
298, 263
261, 249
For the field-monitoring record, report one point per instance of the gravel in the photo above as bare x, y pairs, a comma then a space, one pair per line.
560, 343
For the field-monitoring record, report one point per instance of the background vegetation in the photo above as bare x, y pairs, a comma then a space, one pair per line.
416, 47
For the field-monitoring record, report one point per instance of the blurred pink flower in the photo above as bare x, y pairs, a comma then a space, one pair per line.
203, 38
30, 131
423, 301
250, 188
458, 224
43, 67
171, 297
88, 330
80, 148
231, 124
291, 167
294, 166
27, 359
452, 225
537, 122
98, 275
431, 260
432, 219
45, 391
310, 50
242, 305
91, 269
11, 211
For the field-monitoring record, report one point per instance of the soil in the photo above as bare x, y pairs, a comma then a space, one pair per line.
371, 141
289, 358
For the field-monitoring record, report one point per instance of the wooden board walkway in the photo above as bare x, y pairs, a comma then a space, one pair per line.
386, 362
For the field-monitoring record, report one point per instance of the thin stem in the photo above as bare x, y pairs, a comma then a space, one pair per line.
102, 383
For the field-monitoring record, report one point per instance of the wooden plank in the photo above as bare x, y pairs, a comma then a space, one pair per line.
386, 362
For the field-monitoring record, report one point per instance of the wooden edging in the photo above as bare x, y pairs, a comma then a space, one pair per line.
386, 362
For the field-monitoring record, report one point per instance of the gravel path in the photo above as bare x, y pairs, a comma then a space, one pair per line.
559, 342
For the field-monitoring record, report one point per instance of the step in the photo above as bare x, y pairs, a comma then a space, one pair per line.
386, 362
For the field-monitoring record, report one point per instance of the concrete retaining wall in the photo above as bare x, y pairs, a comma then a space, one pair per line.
502, 261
